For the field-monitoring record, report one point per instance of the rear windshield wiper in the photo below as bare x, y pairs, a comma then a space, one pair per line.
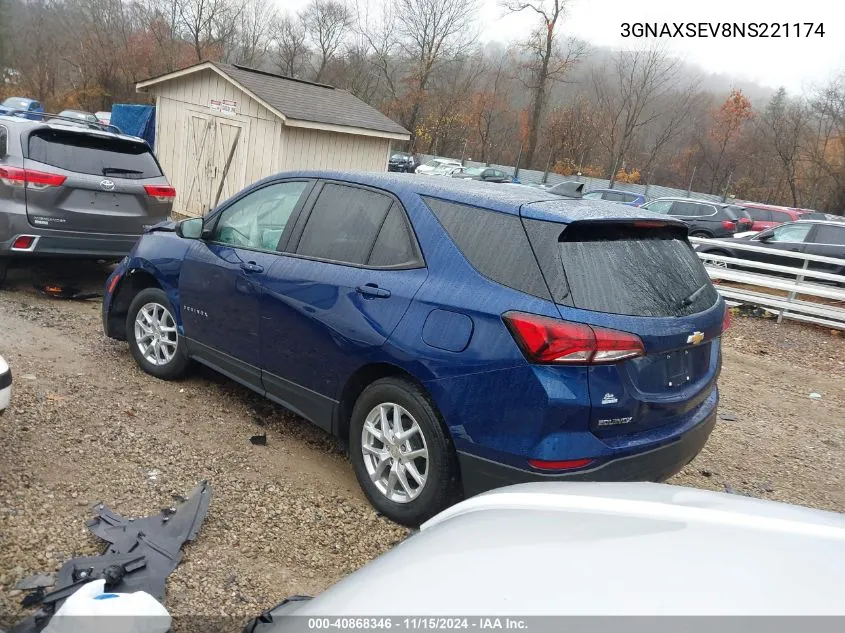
695, 294
119, 170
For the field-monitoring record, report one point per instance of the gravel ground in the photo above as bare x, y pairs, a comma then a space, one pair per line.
86, 426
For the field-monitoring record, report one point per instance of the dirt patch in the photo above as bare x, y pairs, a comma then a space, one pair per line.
86, 425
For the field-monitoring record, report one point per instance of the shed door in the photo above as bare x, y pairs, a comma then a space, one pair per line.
210, 141
230, 137
198, 150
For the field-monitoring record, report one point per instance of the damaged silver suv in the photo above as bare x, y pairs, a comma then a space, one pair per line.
70, 191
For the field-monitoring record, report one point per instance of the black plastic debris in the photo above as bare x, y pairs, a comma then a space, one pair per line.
141, 553
57, 291
259, 440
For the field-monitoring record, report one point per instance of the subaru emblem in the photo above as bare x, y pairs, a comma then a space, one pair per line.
107, 185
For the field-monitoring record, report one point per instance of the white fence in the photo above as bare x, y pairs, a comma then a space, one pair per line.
794, 280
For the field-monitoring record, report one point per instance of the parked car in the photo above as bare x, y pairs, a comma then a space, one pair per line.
766, 216
29, 108
76, 117
431, 323
720, 544
487, 174
403, 162
74, 191
705, 219
5, 385
813, 237
438, 167
614, 195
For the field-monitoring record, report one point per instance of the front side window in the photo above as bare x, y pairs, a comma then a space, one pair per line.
759, 215
258, 219
593, 195
344, 224
659, 206
791, 232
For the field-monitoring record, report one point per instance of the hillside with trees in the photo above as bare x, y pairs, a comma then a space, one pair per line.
547, 100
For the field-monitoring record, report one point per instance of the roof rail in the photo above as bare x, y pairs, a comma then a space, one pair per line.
46, 117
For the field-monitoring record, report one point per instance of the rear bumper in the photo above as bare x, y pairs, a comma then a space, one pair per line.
657, 464
55, 244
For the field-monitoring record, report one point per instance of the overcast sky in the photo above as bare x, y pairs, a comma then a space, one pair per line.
797, 63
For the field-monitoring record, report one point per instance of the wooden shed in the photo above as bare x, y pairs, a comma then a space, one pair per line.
212, 115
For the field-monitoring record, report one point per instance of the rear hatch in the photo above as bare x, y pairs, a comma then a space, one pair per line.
640, 277
80, 180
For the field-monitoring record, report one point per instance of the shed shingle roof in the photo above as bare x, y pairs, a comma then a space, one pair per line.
311, 102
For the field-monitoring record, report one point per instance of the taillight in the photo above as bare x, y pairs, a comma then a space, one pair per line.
29, 178
568, 464
546, 340
728, 224
726, 320
162, 193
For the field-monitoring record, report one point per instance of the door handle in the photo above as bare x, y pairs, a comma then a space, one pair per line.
252, 267
372, 290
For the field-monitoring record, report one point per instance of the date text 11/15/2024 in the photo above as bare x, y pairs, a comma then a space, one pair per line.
415, 623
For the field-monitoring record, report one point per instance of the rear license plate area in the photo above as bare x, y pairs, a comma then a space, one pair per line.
677, 369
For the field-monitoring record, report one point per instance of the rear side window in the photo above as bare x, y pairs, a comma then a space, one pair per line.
781, 216
88, 154
344, 224
395, 246
614, 196
690, 209
830, 234
495, 244
4, 136
620, 269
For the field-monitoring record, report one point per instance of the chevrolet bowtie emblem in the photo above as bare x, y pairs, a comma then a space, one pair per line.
695, 338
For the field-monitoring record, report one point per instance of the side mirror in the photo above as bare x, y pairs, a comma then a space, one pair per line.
190, 229
766, 238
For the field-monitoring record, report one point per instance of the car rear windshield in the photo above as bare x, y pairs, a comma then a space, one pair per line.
621, 268
90, 154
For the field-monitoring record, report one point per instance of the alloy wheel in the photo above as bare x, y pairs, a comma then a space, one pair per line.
155, 333
395, 452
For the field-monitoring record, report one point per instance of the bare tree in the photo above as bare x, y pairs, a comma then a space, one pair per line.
251, 40
629, 97
208, 25
430, 33
291, 51
784, 126
326, 23
548, 59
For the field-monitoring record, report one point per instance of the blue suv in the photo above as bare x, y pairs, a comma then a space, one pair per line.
459, 335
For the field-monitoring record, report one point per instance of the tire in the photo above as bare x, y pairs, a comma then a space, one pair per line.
172, 353
4, 268
418, 502
720, 264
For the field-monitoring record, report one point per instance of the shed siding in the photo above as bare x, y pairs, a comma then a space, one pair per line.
266, 145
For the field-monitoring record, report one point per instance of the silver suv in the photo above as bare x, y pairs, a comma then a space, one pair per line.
73, 192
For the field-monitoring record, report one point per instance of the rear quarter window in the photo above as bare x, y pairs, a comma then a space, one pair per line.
95, 155
495, 244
